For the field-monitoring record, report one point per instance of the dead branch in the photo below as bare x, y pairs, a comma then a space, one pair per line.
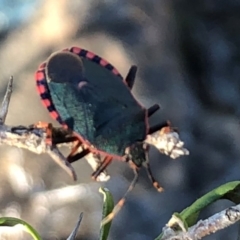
31, 138
34, 139
205, 227
6, 101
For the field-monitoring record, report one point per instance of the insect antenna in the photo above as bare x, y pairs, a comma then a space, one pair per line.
107, 160
152, 179
121, 202
130, 78
158, 127
152, 110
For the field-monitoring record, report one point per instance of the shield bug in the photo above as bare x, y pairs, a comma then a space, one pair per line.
86, 94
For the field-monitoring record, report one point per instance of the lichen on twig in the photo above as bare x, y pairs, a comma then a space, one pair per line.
205, 227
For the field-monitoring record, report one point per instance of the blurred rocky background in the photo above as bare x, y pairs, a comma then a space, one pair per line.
188, 54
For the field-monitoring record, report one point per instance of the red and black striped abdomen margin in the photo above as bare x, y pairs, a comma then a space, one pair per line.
42, 85
43, 90
94, 58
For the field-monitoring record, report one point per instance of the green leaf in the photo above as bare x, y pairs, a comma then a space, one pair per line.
230, 191
11, 222
189, 216
108, 206
179, 221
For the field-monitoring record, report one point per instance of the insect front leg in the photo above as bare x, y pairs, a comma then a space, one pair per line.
48, 128
78, 151
102, 166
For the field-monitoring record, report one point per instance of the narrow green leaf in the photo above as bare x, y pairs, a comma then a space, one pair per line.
108, 206
233, 195
181, 224
230, 191
11, 222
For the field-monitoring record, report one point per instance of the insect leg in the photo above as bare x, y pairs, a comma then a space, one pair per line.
49, 130
107, 160
75, 148
152, 109
122, 200
59, 140
78, 156
152, 179
158, 127
130, 78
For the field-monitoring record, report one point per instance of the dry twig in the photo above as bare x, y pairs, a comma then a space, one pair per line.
34, 139
31, 138
205, 227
